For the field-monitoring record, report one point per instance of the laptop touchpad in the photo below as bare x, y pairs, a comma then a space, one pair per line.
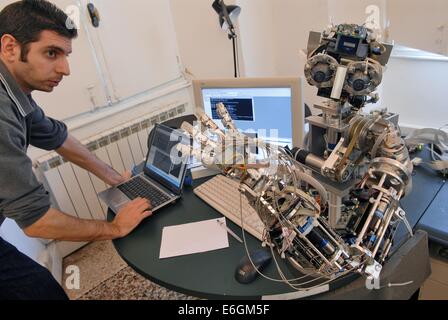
117, 198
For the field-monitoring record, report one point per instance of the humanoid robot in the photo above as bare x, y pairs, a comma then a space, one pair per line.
333, 207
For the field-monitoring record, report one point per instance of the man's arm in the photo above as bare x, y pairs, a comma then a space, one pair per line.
60, 226
72, 150
25, 200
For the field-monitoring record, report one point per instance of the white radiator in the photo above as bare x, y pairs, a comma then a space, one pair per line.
74, 190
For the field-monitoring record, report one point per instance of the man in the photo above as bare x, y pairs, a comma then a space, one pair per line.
34, 46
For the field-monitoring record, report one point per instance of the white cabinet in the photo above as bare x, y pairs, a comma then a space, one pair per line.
137, 40
82, 91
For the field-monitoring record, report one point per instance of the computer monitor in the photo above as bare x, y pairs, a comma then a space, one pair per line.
257, 104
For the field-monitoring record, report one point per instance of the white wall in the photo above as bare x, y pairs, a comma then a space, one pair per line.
273, 33
258, 38
415, 88
204, 48
419, 24
293, 21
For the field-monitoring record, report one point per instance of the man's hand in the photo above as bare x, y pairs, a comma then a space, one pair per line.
60, 226
73, 151
129, 217
123, 178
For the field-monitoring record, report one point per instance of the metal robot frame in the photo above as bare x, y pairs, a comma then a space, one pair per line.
333, 207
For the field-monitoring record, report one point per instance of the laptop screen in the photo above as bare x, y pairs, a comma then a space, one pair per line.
164, 161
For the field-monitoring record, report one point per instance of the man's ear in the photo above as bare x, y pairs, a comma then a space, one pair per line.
10, 48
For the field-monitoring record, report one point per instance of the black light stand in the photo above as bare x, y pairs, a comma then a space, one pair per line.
232, 35
224, 17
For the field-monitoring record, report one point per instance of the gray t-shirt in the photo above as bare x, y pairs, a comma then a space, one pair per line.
22, 122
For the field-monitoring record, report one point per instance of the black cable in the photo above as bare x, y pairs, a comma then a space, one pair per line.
430, 204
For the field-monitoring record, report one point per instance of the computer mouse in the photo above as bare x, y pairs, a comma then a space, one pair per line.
245, 272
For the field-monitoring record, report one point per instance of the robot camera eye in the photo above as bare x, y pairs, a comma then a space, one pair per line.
359, 85
319, 76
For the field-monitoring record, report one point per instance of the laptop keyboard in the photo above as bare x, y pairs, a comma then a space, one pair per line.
138, 187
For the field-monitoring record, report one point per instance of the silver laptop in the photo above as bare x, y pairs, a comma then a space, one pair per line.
163, 173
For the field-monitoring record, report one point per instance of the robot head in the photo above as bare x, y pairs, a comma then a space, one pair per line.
345, 62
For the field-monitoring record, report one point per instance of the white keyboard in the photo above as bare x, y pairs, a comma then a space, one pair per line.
222, 194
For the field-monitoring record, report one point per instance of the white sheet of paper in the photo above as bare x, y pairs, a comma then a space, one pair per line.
192, 238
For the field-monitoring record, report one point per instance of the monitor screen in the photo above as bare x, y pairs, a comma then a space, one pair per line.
163, 159
254, 110
270, 108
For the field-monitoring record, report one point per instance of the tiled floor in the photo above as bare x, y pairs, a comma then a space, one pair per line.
105, 276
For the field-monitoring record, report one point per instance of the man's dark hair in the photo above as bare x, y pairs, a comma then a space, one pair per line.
26, 19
